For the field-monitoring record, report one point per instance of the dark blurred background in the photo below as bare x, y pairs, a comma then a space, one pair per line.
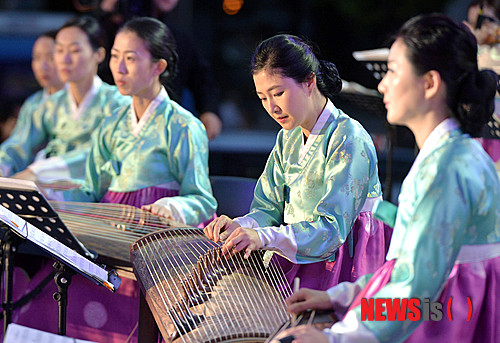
226, 33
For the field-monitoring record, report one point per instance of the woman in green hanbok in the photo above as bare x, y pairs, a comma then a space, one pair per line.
56, 141
312, 204
445, 251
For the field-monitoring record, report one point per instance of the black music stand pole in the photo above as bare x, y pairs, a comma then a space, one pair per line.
63, 280
9, 247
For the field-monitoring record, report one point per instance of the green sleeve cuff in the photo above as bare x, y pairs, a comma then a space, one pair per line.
386, 212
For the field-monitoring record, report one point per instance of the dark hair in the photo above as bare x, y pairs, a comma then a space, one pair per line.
91, 27
50, 34
436, 42
292, 57
159, 41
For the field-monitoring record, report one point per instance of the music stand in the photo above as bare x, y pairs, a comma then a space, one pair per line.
374, 60
43, 228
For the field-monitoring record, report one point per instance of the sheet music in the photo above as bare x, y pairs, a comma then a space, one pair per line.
51, 245
22, 334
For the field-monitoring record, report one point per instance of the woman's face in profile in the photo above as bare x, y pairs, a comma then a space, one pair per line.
403, 90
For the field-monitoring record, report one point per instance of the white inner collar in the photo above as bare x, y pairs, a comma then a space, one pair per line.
76, 111
137, 125
439, 131
320, 123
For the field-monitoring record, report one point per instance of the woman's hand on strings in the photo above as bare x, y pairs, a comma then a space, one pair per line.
308, 299
220, 228
242, 238
236, 238
159, 210
301, 334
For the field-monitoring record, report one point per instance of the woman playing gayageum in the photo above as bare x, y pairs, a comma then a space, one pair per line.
445, 251
64, 123
312, 204
152, 153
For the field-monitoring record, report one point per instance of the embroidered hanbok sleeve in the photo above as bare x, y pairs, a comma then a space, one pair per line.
69, 154
100, 167
339, 181
188, 159
434, 219
19, 150
68, 166
26, 111
342, 295
269, 199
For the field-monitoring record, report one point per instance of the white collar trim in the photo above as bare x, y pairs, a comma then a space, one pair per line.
439, 131
137, 125
320, 123
76, 111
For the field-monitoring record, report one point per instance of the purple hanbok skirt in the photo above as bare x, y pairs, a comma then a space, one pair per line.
143, 197
477, 321
140, 197
94, 313
364, 252
470, 296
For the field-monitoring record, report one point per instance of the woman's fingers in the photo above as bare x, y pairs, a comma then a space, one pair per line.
208, 230
220, 228
236, 238
241, 239
248, 251
306, 299
224, 234
296, 297
159, 210
211, 230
